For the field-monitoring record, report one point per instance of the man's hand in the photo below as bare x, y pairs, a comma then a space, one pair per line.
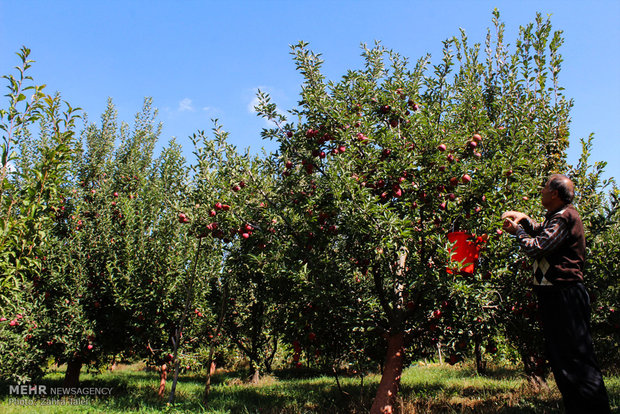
510, 226
515, 216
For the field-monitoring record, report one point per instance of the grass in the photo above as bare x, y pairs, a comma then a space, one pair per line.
425, 388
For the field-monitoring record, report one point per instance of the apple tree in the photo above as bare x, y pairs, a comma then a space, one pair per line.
396, 157
122, 257
37, 149
234, 213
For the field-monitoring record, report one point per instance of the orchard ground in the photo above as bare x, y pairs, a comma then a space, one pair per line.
426, 387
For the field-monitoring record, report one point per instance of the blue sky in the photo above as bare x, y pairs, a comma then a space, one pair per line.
200, 60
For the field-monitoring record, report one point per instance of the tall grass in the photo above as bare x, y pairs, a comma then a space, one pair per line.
425, 388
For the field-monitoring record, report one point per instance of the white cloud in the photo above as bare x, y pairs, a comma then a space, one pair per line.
275, 96
185, 105
252, 104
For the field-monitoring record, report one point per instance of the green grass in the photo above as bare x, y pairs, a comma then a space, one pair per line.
425, 388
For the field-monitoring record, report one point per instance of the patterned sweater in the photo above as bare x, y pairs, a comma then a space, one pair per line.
557, 246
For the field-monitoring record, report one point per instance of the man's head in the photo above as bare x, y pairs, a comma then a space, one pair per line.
558, 192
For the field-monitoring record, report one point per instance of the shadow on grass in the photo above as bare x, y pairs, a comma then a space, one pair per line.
432, 389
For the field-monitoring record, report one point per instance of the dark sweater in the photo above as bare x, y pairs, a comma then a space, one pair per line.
564, 263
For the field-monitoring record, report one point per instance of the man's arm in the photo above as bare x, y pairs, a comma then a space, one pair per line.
545, 241
530, 226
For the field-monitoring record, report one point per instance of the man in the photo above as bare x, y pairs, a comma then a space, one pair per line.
558, 248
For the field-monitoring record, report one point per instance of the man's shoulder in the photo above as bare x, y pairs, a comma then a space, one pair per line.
570, 211
570, 215
564, 212
567, 214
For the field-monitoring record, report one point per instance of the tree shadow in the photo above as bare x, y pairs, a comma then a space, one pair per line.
311, 391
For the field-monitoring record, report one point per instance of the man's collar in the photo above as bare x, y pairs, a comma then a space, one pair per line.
552, 213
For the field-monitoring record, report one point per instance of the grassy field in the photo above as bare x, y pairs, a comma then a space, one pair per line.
426, 388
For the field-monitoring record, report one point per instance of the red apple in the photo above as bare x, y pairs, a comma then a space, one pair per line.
466, 178
442, 147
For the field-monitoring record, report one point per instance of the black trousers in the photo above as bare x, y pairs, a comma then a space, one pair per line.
565, 316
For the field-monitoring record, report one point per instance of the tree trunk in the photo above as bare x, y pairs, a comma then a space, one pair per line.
390, 381
113, 364
178, 332
163, 375
72, 375
210, 362
440, 353
255, 375
211, 366
342, 392
480, 365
